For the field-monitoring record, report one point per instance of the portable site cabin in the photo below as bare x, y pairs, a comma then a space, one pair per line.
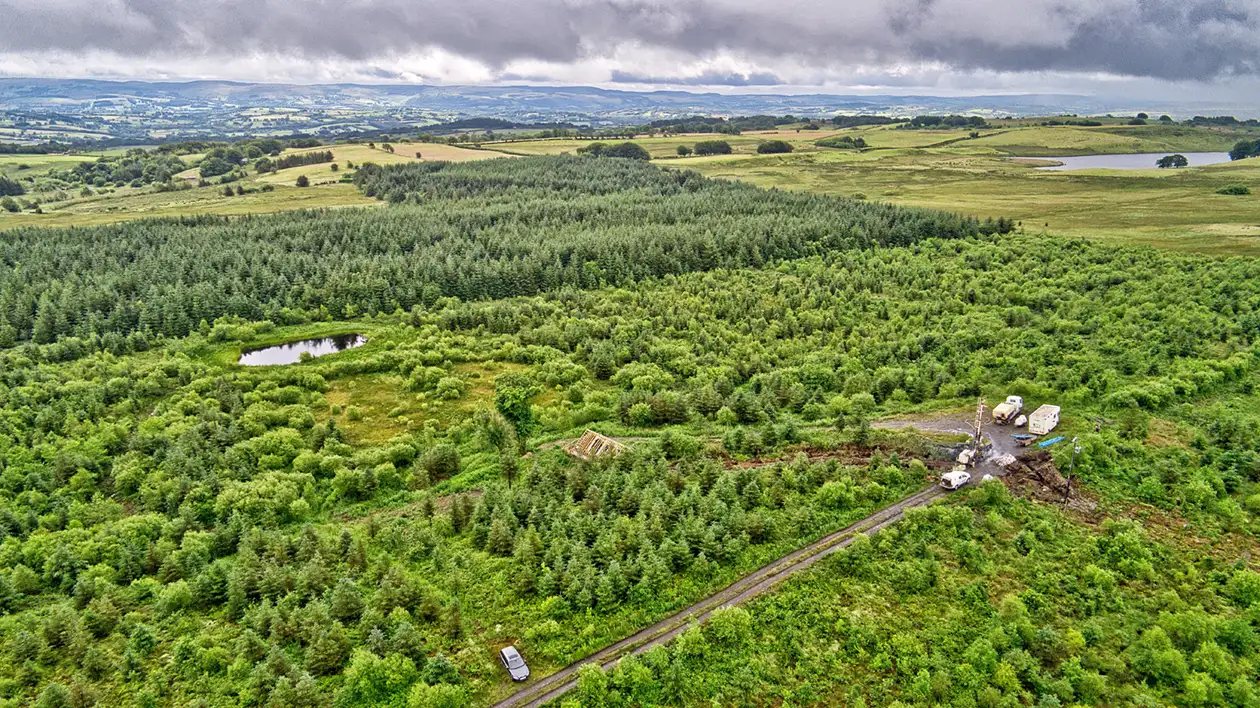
1043, 420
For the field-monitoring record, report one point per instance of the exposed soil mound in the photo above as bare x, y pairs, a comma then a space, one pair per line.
1035, 476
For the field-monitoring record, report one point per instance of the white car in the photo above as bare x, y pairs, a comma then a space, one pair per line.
515, 665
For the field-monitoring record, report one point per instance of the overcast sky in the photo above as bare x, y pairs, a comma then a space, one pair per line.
1184, 49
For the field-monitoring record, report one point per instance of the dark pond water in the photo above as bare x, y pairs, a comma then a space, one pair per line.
291, 352
1142, 161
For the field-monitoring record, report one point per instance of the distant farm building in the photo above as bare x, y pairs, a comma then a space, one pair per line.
592, 445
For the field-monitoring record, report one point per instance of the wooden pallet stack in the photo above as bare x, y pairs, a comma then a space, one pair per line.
592, 445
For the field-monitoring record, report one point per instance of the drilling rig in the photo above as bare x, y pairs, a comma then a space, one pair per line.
959, 476
969, 455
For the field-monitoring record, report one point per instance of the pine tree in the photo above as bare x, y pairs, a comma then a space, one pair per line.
612, 586
328, 653
453, 621
407, 641
655, 575
345, 603
45, 329
499, 540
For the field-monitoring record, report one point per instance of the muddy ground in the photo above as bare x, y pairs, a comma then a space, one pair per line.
996, 439
1033, 475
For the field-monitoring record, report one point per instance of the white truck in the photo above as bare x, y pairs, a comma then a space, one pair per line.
1006, 411
955, 478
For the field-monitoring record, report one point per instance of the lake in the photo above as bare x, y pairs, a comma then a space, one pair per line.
1142, 161
291, 352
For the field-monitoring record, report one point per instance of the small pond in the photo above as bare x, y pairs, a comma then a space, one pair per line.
1142, 161
291, 352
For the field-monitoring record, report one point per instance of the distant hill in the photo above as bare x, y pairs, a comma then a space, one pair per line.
491, 124
528, 104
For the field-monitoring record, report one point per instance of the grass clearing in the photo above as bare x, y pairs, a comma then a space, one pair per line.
375, 408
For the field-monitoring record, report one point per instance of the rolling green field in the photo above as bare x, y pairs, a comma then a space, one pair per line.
22, 165
1005, 137
127, 203
1176, 209
943, 169
948, 169
665, 147
1034, 141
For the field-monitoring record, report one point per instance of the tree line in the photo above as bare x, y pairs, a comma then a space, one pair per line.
1245, 149
301, 159
843, 141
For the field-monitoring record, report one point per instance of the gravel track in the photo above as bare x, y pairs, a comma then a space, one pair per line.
755, 584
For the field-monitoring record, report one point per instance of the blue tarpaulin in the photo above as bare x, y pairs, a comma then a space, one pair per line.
1051, 441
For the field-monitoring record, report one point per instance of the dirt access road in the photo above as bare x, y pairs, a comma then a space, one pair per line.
758, 583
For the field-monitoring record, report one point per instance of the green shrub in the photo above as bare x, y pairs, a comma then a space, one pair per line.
451, 388
54, 696
628, 150
371, 680
10, 187
640, 415
713, 147
835, 495
175, 598
1235, 190
774, 147
678, 445
1244, 588
844, 142
440, 696
441, 461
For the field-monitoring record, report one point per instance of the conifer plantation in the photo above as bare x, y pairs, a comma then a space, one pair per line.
476, 231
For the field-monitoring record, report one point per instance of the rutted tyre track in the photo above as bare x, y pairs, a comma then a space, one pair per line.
757, 583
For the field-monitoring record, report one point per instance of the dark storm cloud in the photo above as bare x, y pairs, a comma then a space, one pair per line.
352, 29
1168, 39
